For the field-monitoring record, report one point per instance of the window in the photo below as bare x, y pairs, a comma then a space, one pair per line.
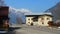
28, 22
28, 19
42, 18
47, 18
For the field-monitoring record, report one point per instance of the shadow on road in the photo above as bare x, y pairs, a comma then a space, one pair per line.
11, 30
14, 28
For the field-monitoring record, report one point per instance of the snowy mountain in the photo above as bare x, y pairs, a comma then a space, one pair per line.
17, 15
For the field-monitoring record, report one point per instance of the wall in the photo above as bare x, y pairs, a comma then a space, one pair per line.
40, 20
44, 21
29, 20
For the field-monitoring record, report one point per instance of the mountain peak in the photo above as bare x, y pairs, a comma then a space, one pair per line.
58, 4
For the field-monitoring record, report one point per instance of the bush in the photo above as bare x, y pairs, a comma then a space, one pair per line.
50, 23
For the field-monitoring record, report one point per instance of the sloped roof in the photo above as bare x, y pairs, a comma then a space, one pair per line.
38, 14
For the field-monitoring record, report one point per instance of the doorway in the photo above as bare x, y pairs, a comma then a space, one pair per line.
31, 24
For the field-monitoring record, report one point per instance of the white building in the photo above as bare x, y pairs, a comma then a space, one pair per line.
40, 19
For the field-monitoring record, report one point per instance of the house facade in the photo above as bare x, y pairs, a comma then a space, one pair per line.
38, 19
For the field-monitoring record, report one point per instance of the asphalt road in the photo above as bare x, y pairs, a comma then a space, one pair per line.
33, 30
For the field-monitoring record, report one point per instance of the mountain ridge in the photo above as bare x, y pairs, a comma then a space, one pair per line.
55, 10
14, 14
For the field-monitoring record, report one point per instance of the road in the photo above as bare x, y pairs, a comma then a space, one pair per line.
34, 30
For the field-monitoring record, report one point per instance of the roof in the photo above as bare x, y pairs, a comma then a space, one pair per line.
38, 14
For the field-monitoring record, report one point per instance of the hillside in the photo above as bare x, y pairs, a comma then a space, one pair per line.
55, 10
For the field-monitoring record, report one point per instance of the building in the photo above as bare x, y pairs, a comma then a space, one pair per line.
40, 19
4, 19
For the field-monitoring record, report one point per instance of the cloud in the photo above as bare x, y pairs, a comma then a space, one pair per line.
22, 10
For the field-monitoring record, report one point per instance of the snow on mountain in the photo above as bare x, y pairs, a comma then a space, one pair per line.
17, 13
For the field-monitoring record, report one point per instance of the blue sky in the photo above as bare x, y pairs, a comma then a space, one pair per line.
33, 5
